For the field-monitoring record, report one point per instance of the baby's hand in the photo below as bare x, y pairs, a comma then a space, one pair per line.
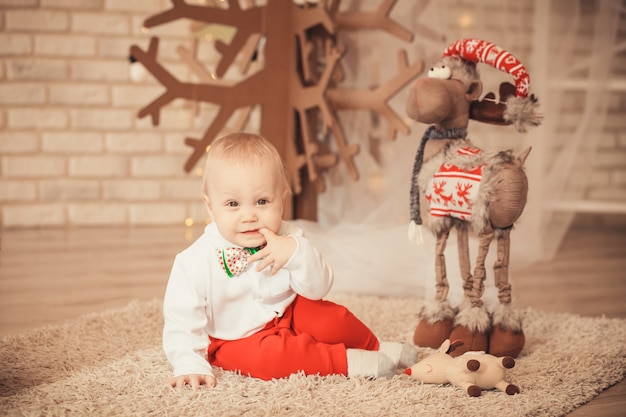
276, 252
195, 380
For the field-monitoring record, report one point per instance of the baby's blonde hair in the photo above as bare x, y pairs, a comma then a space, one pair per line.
241, 148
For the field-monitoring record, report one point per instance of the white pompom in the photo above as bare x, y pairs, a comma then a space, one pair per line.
415, 233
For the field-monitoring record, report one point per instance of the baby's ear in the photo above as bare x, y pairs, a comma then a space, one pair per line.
207, 204
286, 196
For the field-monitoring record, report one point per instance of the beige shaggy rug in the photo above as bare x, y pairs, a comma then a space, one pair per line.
111, 364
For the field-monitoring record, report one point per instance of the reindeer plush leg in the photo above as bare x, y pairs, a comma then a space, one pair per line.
507, 337
441, 275
436, 317
472, 323
464, 261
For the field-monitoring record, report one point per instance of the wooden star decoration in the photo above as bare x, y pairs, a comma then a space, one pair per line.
298, 88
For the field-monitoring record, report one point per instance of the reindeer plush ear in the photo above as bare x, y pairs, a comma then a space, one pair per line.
474, 90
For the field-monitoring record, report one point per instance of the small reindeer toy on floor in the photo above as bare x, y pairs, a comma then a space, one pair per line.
457, 185
472, 371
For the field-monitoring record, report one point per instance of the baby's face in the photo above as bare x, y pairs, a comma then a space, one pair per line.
244, 198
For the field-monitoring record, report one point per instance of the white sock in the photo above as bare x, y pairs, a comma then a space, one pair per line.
403, 355
369, 363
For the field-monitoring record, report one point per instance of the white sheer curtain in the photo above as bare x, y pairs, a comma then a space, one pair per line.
567, 48
579, 61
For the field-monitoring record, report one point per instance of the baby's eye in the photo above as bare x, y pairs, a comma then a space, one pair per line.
442, 72
261, 202
232, 204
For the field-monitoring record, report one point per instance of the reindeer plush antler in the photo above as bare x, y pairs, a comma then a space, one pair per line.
490, 110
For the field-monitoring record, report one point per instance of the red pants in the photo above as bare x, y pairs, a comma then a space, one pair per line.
312, 336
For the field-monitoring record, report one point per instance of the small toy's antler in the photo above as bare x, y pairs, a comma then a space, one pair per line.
454, 344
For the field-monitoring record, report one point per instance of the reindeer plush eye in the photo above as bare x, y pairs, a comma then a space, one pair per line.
441, 72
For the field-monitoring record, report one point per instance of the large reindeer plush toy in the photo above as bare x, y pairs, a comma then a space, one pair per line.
456, 185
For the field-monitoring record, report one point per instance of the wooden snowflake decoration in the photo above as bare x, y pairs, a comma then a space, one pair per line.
297, 88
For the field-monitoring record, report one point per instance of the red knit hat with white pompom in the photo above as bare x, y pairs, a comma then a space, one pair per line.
520, 110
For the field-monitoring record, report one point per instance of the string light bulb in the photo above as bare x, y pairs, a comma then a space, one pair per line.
136, 71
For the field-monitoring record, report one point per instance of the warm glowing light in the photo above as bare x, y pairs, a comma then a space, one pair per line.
466, 20
188, 221
376, 182
199, 172
188, 234
144, 29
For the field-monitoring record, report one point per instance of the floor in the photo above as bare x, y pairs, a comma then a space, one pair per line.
50, 275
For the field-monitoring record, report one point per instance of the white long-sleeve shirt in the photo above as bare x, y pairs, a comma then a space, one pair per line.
201, 300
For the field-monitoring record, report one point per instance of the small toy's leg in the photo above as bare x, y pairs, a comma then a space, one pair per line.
473, 365
507, 337
471, 389
508, 388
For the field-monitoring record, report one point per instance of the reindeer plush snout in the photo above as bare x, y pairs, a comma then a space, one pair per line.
433, 100
428, 101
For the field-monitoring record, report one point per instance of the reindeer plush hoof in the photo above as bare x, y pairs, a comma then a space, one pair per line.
435, 325
507, 337
432, 335
472, 327
506, 342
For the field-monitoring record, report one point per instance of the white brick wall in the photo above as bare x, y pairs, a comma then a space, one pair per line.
36, 20
18, 142
15, 44
40, 69
34, 166
72, 150
41, 119
72, 142
22, 94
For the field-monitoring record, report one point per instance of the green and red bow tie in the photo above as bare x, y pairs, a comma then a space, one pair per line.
234, 260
